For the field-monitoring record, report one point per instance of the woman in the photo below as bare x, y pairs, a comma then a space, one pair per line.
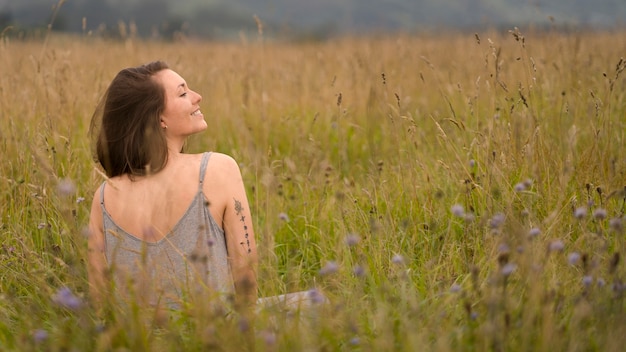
168, 226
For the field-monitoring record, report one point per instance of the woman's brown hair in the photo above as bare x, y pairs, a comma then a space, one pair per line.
126, 123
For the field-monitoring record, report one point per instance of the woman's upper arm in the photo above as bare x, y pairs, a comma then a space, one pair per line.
238, 226
96, 227
95, 245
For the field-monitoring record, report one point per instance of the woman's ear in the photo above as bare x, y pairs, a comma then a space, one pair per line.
163, 124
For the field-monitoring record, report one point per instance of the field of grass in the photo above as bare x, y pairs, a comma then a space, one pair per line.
445, 192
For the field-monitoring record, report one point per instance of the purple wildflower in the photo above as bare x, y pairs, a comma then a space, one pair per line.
496, 221
66, 187
284, 217
472, 163
66, 299
316, 296
352, 240
455, 288
573, 258
556, 246
508, 269
587, 280
616, 225
599, 214
40, 335
358, 271
243, 325
330, 268
100, 327
519, 187
41, 225
580, 213
457, 210
397, 259
503, 248
534, 232
269, 337
355, 341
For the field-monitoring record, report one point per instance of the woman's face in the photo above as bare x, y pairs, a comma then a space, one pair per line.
182, 116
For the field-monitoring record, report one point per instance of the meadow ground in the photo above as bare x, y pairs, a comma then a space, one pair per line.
445, 192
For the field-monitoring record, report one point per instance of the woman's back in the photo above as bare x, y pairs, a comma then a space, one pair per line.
161, 245
149, 207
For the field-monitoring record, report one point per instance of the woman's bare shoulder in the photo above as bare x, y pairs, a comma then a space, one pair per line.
224, 162
223, 169
221, 156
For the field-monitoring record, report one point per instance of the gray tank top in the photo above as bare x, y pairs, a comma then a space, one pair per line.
190, 260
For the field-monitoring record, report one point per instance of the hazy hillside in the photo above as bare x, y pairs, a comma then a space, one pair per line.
219, 18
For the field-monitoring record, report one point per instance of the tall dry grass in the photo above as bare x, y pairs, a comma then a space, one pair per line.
446, 192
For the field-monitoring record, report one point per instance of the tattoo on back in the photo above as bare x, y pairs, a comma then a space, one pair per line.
239, 211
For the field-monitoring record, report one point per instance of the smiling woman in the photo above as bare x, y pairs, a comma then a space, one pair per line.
171, 227
182, 116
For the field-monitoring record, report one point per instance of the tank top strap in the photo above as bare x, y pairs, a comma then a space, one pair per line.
102, 192
203, 164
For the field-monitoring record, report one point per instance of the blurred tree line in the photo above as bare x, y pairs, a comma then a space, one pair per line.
166, 19
116, 19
